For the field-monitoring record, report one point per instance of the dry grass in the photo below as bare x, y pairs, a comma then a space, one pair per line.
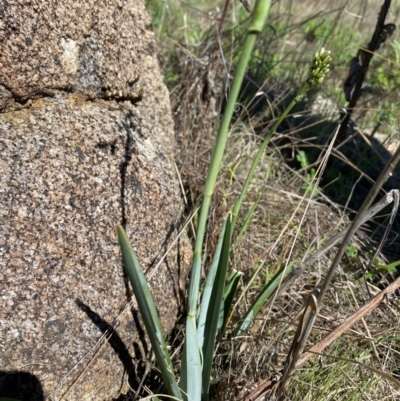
202, 62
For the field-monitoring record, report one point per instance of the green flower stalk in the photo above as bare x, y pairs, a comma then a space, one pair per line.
318, 70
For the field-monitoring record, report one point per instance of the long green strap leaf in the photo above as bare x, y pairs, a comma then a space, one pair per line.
205, 301
213, 312
227, 300
191, 379
246, 221
149, 313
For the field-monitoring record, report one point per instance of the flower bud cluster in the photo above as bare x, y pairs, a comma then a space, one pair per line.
320, 67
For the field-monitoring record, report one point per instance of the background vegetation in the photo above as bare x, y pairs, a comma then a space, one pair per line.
199, 44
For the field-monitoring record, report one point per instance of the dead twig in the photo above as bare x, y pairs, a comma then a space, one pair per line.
359, 67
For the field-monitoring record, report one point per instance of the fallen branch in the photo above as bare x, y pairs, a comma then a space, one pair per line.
271, 389
363, 311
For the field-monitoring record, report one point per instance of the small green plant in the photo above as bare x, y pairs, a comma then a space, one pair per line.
352, 251
205, 322
381, 267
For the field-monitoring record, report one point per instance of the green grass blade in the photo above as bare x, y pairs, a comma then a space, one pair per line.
261, 299
213, 311
149, 313
261, 150
209, 286
247, 221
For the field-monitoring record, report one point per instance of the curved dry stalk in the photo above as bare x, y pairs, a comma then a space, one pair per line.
329, 244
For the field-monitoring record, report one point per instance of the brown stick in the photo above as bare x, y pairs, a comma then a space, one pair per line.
260, 390
364, 310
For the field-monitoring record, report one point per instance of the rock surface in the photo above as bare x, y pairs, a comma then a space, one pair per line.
86, 139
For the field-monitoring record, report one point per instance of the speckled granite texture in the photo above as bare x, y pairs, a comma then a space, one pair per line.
86, 139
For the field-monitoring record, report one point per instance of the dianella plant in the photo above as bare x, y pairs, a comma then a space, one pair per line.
207, 314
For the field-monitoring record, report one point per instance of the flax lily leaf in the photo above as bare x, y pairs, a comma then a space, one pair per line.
149, 314
213, 312
205, 302
191, 379
227, 300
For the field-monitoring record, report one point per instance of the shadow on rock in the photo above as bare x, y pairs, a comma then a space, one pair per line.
113, 339
22, 386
